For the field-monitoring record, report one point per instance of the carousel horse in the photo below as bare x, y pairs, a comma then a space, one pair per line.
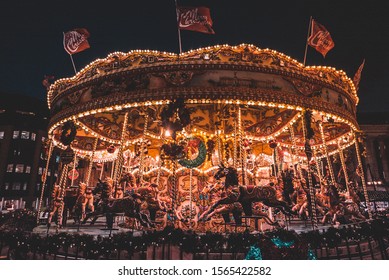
322, 199
85, 200
351, 205
246, 195
301, 199
129, 205
223, 210
343, 209
149, 195
287, 179
57, 201
152, 200
129, 181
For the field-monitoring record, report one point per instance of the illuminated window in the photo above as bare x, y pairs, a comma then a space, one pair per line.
16, 134
33, 136
19, 168
10, 168
25, 135
40, 170
25, 186
28, 169
6, 186
16, 186
1, 134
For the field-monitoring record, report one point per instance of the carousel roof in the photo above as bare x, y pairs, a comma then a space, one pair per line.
270, 89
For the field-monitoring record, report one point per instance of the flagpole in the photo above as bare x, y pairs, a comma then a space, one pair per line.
306, 43
74, 66
178, 28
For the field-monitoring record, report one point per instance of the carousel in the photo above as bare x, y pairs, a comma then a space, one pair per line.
207, 140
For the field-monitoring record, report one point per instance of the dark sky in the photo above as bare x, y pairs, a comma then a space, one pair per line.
31, 36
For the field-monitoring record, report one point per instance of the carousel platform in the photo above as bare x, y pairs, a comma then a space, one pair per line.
99, 228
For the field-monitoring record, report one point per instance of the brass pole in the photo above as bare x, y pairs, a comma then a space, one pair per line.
44, 179
362, 175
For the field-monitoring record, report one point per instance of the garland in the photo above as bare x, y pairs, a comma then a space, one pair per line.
202, 154
277, 245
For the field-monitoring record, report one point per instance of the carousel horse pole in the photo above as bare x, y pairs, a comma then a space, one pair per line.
344, 167
44, 178
329, 164
305, 122
356, 143
62, 186
74, 168
142, 146
120, 159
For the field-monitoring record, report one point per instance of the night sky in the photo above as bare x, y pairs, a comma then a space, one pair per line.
31, 36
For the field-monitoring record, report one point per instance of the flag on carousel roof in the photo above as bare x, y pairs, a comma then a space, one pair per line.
357, 76
195, 19
75, 41
47, 81
320, 39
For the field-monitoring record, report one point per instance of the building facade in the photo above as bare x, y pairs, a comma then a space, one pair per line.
375, 127
23, 128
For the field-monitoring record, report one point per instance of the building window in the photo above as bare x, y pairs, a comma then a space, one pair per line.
16, 134
10, 168
25, 186
1, 134
25, 135
33, 136
40, 170
6, 186
19, 168
38, 186
28, 169
16, 186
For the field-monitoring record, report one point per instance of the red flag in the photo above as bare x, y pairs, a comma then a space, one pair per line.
320, 38
195, 19
357, 76
75, 41
47, 81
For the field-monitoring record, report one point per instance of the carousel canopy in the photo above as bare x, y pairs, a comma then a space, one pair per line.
270, 90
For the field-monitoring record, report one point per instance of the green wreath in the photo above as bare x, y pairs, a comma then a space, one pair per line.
192, 163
